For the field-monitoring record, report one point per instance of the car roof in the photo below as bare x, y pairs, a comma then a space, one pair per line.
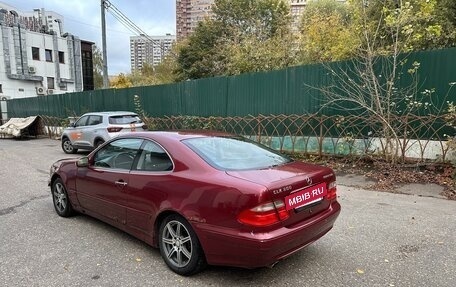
116, 113
179, 134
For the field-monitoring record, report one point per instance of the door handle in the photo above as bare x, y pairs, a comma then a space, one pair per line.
120, 183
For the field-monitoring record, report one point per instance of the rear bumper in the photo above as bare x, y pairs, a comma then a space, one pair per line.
252, 250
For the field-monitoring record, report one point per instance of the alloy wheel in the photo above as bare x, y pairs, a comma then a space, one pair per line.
177, 243
67, 146
60, 199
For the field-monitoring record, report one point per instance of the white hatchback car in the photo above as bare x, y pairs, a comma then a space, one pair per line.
93, 129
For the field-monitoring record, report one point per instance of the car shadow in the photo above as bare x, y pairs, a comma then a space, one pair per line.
265, 276
229, 276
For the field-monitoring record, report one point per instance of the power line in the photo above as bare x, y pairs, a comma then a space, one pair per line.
106, 5
94, 26
129, 24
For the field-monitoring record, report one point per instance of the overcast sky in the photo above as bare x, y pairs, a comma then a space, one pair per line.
82, 18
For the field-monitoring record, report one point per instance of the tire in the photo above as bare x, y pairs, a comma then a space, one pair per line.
98, 143
60, 199
180, 247
67, 147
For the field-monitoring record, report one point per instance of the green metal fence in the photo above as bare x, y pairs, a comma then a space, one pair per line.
318, 134
287, 91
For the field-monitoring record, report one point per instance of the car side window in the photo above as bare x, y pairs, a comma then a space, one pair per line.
119, 154
81, 122
154, 158
94, 120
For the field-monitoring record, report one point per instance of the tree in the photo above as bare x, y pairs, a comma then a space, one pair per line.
121, 81
143, 77
332, 31
327, 32
252, 54
147, 76
198, 56
243, 36
421, 24
165, 71
260, 37
370, 86
97, 67
446, 16
260, 18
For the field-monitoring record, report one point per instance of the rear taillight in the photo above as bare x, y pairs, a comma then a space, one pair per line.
332, 191
265, 214
114, 129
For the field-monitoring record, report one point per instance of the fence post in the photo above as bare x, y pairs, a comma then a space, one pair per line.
320, 140
259, 128
405, 140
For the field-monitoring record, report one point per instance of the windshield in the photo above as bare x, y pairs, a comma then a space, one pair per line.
124, 119
235, 153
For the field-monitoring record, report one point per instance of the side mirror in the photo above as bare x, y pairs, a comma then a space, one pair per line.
83, 162
73, 125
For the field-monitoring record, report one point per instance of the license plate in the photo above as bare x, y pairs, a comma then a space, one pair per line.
306, 196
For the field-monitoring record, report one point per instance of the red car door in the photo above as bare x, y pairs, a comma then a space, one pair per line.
150, 179
101, 187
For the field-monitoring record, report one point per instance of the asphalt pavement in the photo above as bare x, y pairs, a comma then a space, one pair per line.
380, 239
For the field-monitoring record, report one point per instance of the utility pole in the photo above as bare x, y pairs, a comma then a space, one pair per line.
103, 41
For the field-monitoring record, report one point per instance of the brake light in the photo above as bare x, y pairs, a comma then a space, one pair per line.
114, 129
332, 191
265, 214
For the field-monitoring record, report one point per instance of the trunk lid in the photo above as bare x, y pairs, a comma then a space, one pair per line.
282, 182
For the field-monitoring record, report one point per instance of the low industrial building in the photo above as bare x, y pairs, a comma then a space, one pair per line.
37, 58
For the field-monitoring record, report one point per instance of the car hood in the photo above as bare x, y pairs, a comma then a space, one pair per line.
63, 161
286, 174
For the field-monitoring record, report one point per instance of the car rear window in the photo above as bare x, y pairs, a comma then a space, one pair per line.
232, 153
124, 119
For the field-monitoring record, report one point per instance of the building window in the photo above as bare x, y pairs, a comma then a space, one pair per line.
63, 86
1, 89
35, 53
50, 83
48, 54
61, 57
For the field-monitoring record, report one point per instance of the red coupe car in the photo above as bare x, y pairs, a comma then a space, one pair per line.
200, 197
